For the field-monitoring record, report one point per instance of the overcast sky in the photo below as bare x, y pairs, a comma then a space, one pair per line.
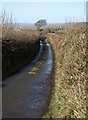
56, 12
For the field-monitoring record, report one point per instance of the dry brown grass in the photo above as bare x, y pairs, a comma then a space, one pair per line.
69, 94
20, 34
19, 46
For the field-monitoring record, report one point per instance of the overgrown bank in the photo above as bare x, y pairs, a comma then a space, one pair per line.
69, 94
19, 46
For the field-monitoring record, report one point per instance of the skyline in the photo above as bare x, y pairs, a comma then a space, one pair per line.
55, 12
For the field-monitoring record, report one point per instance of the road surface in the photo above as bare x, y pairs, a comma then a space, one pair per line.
27, 94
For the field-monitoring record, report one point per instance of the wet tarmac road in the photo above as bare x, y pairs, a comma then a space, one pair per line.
27, 93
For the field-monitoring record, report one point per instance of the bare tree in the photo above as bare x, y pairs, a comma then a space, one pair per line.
7, 19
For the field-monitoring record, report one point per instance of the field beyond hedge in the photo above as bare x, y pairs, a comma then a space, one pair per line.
19, 46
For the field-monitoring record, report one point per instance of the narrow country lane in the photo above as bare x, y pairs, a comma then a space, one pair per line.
27, 93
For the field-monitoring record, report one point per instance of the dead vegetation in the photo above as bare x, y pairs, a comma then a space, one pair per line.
19, 46
69, 94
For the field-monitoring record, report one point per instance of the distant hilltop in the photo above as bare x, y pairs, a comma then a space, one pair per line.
32, 26
49, 25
